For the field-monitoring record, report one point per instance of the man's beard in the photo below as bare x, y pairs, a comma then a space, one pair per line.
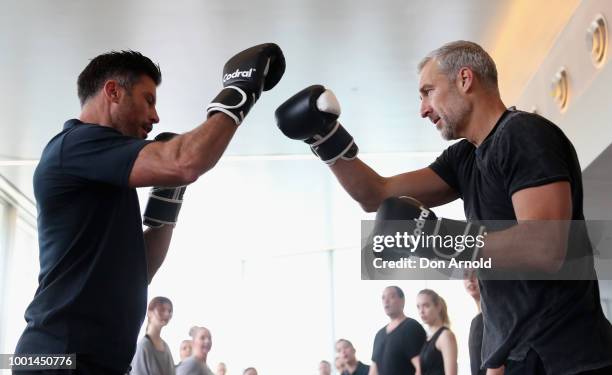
447, 131
457, 113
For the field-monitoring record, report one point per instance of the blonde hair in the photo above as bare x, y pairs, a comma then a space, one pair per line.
438, 301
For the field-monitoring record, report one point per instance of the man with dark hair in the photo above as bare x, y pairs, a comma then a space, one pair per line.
397, 345
95, 259
345, 351
511, 165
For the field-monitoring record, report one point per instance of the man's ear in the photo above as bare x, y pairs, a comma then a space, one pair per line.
465, 79
112, 90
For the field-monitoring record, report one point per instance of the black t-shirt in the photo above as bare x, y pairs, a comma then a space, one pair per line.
432, 362
92, 291
475, 345
393, 351
561, 320
361, 369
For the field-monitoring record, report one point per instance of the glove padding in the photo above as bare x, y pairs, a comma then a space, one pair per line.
244, 77
164, 202
311, 116
408, 215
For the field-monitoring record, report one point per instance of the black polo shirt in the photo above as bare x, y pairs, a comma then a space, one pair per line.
561, 320
393, 351
92, 291
361, 369
475, 345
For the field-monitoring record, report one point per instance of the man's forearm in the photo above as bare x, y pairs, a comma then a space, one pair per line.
200, 149
157, 242
531, 246
361, 182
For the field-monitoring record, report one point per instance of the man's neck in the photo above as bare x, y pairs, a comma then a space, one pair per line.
94, 112
397, 319
483, 119
351, 367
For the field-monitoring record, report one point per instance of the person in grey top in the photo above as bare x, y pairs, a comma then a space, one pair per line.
201, 344
153, 356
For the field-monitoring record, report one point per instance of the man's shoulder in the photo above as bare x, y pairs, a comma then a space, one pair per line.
412, 324
361, 365
461, 147
76, 131
521, 122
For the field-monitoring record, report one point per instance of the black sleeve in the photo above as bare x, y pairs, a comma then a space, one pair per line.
376, 349
532, 152
99, 154
447, 164
414, 337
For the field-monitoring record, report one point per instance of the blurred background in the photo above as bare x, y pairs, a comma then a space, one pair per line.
266, 252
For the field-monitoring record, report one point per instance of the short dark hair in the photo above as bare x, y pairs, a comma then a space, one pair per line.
398, 291
125, 66
345, 341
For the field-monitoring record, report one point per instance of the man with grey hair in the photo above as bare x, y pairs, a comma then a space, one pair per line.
510, 165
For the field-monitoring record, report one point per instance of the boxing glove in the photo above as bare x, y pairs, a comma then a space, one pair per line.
432, 237
164, 202
311, 116
245, 76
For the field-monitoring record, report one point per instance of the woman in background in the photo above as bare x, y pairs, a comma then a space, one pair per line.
153, 355
201, 343
439, 354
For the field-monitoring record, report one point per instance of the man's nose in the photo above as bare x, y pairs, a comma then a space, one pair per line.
425, 109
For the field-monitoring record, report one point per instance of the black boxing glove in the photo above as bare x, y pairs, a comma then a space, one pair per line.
164, 202
311, 116
429, 236
244, 77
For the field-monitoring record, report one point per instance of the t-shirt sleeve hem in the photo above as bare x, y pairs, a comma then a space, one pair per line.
540, 182
137, 149
441, 174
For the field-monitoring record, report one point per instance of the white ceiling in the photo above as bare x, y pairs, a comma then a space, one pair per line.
366, 51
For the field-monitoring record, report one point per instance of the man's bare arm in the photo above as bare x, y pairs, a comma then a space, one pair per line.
369, 188
539, 240
185, 157
157, 241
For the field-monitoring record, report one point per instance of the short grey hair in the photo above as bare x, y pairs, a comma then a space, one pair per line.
453, 56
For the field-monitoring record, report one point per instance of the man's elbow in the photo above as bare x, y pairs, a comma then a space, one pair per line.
553, 258
190, 171
369, 206
188, 176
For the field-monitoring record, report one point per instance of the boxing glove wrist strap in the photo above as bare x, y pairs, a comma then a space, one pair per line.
234, 102
337, 144
163, 206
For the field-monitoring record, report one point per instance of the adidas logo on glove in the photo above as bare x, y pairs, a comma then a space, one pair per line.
239, 73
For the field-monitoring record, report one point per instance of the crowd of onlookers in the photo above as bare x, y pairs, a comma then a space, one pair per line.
424, 350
